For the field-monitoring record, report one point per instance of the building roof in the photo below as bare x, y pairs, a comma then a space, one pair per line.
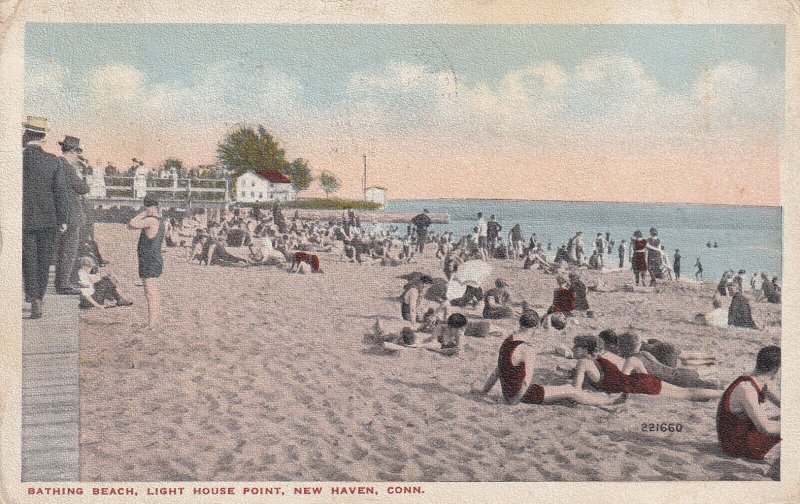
274, 176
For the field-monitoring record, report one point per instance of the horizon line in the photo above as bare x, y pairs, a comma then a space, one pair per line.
667, 203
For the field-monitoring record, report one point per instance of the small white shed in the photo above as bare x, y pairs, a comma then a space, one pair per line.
376, 194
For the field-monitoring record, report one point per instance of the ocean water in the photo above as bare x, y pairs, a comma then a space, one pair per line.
749, 238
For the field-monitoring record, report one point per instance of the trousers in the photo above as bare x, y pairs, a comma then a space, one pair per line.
37, 254
66, 253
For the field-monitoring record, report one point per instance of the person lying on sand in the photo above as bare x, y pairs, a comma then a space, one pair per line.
379, 337
743, 428
515, 365
445, 340
538, 260
218, 255
613, 373
661, 360
718, 317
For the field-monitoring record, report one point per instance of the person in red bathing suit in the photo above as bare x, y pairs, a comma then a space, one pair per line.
639, 256
563, 298
625, 372
304, 257
743, 428
515, 365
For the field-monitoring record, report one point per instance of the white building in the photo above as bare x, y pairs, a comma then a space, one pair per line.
97, 184
264, 185
376, 195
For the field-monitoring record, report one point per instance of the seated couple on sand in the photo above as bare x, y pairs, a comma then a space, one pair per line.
570, 295
95, 288
515, 367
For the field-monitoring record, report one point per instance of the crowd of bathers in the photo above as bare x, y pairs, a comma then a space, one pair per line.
609, 366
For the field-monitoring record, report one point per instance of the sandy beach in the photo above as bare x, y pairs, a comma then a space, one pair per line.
260, 375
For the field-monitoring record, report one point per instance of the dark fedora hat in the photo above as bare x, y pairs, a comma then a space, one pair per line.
70, 143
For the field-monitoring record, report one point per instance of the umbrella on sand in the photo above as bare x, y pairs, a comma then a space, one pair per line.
471, 273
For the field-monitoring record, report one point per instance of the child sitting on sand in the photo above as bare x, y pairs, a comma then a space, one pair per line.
743, 428
514, 370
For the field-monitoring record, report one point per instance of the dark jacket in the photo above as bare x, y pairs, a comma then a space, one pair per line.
739, 313
580, 290
44, 190
77, 187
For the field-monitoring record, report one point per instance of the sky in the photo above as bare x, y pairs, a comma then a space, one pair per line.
651, 113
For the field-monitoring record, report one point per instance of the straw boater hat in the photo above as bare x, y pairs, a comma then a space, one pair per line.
36, 124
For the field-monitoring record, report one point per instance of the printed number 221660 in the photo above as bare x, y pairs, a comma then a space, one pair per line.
661, 427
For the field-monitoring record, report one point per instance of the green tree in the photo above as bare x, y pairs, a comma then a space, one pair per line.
299, 173
135, 165
329, 182
175, 163
249, 148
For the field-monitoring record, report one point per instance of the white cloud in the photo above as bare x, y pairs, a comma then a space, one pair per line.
534, 79
112, 84
44, 77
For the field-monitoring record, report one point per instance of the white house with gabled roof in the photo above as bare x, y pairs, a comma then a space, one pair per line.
264, 186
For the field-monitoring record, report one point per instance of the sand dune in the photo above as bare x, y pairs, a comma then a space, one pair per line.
262, 375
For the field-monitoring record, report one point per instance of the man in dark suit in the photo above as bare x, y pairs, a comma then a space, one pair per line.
44, 211
67, 244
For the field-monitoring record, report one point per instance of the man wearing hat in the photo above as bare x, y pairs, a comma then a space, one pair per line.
44, 211
67, 246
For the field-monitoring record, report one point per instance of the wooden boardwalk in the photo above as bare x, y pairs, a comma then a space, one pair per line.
50, 392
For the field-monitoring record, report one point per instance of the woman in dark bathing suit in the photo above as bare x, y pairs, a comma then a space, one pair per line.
514, 371
625, 372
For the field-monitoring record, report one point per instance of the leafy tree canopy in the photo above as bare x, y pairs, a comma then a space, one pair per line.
329, 182
299, 173
249, 148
